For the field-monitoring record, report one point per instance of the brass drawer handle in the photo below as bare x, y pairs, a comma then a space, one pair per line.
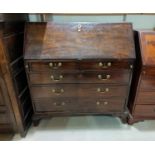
59, 104
55, 65
58, 91
57, 79
104, 103
104, 65
102, 90
106, 77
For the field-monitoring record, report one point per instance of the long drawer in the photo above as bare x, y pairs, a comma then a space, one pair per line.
112, 77
79, 90
145, 110
147, 97
147, 83
81, 105
81, 65
147, 80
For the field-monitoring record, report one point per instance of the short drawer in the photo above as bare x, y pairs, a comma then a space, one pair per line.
93, 105
110, 77
79, 90
146, 97
145, 110
52, 65
105, 64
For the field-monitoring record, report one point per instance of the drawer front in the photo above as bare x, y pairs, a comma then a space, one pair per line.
81, 65
81, 105
53, 65
146, 97
113, 77
80, 90
147, 83
105, 65
145, 110
55, 104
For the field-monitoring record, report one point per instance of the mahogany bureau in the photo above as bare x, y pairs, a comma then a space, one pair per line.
142, 97
79, 68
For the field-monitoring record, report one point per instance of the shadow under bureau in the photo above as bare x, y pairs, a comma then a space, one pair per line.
79, 68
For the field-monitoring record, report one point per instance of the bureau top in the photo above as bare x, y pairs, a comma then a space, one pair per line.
147, 47
79, 41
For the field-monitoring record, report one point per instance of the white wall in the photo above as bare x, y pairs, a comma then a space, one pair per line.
142, 21
139, 21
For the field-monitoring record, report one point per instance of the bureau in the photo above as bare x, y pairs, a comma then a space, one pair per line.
79, 68
142, 97
15, 102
